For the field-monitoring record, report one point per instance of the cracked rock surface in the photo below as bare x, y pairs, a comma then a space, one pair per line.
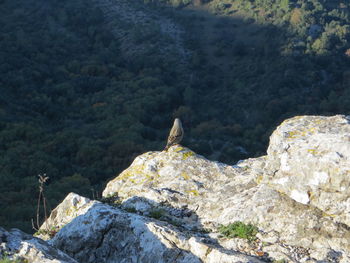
108, 234
167, 206
17, 245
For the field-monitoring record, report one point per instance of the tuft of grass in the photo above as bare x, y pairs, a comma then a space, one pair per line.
240, 230
7, 260
156, 213
51, 232
174, 222
112, 200
130, 209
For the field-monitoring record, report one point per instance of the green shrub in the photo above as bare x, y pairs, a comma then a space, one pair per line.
239, 229
130, 209
156, 213
7, 260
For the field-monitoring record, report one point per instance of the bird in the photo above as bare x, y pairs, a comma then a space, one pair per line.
176, 134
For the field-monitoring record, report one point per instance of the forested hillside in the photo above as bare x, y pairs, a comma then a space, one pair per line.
78, 103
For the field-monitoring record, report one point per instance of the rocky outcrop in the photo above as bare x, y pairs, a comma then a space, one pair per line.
141, 29
310, 161
19, 246
108, 234
167, 206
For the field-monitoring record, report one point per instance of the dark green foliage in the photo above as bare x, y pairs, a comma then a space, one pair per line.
70, 105
5, 259
239, 229
157, 213
75, 107
131, 209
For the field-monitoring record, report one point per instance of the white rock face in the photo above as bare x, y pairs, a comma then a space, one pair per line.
18, 245
72, 206
298, 196
313, 152
107, 234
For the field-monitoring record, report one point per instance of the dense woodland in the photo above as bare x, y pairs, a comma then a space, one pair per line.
77, 109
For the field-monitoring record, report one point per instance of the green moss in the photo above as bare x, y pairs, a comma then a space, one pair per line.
112, 199
280, 261
130, 209
174, 222
205, 230
157, 213
6, 260
239, 229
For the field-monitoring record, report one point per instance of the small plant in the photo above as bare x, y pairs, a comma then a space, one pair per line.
130, 209
174, 222
156, 213
50, 232
41, 199
239, 229
95, 194
112, 200
6, 259
205, 230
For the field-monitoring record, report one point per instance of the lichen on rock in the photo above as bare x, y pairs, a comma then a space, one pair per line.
172, 203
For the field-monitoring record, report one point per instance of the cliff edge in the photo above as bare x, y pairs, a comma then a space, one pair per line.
168, 206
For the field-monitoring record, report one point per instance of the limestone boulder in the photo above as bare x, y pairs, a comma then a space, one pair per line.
104, 233
309, 160
17, 245
168, 206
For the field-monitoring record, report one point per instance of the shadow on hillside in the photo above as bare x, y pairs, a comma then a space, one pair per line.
71, 106
246, 77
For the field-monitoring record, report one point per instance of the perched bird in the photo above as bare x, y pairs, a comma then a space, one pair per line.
176, 134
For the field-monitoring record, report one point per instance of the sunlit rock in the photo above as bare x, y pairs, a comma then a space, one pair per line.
309, 160
17, 245
167, 206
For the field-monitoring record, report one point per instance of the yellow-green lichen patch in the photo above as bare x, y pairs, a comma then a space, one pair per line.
124, 176
328, 215
319, 121
313, 152
193, 191
138, 173
259, 179
179, 149
300, 133
188, 154
71, 210
185, 176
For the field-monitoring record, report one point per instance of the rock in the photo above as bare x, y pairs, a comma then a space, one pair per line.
164, 204
71, 207
271, 192
309, 158
17, 245
108, 234
147, 29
